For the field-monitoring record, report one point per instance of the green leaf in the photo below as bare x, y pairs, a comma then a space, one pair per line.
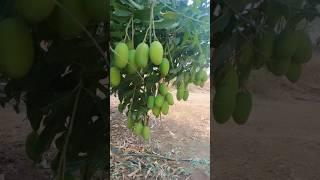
221, 23
136, 5
239, 5
144, 14
169, 15
166, 24
294, 4
5, 8
34, 115
122, 13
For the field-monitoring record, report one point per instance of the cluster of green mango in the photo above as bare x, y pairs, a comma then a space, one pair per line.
284, 54
198, 78
137, 126
130, 60
229, 100
160, 103
291, 50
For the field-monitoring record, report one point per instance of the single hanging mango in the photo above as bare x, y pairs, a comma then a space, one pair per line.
142, 55
156, 52
121, 55
164, 67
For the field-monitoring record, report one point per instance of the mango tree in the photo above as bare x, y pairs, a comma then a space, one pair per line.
249, 35
156, 44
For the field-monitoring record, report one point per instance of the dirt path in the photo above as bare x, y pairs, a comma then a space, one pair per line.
281, 139
187, 126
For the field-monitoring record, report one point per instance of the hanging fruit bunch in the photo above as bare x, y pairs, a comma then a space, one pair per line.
279, 43
145, 64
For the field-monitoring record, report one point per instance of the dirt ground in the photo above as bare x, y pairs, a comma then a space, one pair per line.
281, 139
184, 133
14, 164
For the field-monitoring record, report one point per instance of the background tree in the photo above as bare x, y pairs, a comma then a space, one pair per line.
249, 35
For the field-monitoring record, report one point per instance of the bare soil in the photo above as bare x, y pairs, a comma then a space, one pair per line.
14, 164
184, 133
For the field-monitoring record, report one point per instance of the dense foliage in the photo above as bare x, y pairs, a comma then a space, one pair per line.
156, 44
52, 63
249, 35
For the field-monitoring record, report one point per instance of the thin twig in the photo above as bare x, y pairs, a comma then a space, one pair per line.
155, 156
127, 27
132, 31
65, 146
152, 21
154, 28
242, 17
145, 36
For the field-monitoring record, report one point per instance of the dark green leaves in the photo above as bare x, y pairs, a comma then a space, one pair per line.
122, 13
5, 8
237, 6
166, 24
221, 22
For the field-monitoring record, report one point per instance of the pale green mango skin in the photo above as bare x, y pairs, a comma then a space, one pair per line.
138, 128
115, 76
159, 101
16, 48
121, 55
156, 52
34, 10
142, 55
163, 89
165, 108
156, 111
146, 133
185, 95
180, 93
169, 98
131, 66
96, 9
164, 67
